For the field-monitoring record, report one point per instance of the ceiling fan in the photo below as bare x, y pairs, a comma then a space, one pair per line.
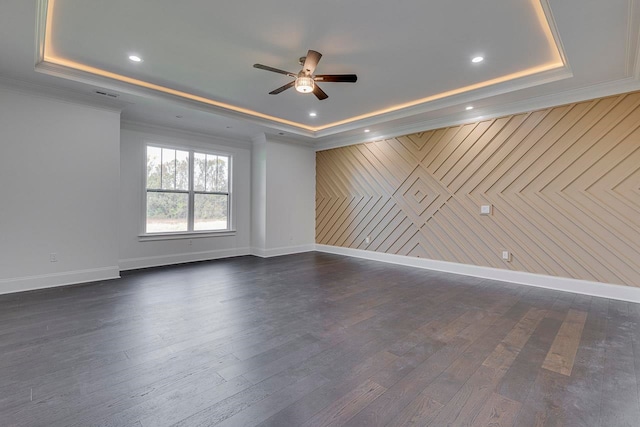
305, 81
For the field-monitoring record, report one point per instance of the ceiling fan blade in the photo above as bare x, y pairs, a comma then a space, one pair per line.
311, 62
275, 70
319, 93
282, 88
346, 78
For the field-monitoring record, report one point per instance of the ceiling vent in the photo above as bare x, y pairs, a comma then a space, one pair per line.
110, 95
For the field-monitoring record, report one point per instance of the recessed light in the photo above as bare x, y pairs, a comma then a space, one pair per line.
367, 130
477, 59
312, 114
135, 58
470, 107
179, 117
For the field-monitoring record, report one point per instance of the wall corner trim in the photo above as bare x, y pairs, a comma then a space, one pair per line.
584, 287
53, 280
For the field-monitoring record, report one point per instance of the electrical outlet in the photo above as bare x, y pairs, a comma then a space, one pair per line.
506, 255
53, 257
190, 242
367, 240
485, 210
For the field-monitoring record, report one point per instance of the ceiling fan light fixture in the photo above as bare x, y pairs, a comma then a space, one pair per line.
304, 84
304, 81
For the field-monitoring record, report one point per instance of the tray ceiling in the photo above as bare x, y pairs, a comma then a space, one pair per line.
413, 59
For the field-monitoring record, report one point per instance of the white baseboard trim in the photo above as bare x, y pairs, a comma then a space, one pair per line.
585, 287
182, 258
287, 250
43, 281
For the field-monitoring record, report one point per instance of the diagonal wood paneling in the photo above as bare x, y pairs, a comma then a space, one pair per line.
564, 184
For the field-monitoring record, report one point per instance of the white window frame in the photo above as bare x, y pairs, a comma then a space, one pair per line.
190, 233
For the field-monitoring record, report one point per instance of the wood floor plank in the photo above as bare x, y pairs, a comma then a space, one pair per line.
473, 395
544, 404
426, 406
565, 346
620, 404
271, 405
233, 405
318, 339
517, 380
467, 402
555, 399
268, 356
634, 316
498, 411
312, 403
161, 410
510, 347
345, 407
420, 412
389, 404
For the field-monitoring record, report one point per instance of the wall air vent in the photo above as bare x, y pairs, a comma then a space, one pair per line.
110, 95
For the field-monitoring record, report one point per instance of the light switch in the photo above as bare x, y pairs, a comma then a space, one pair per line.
485, 210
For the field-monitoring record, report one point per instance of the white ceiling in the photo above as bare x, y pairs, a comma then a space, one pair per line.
412, 59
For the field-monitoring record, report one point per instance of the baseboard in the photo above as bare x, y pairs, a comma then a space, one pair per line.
43, 281
287, 250
161, 260
585, 287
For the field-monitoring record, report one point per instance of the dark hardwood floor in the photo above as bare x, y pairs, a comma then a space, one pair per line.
315, 340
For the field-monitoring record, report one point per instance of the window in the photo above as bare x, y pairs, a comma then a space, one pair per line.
186, 191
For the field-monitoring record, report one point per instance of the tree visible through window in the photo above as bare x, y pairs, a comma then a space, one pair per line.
186, 191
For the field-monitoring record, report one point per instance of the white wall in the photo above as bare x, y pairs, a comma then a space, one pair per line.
137, 254
72, 184
259, 194
59, 180
289, 200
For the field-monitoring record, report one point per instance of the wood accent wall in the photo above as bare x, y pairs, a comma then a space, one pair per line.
564, 184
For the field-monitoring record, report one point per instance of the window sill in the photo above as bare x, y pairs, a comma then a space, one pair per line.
186, 235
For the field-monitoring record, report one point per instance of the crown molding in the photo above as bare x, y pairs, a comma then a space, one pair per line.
629, 84
514, 85
120, 87
62, 95
170, 132
633, 39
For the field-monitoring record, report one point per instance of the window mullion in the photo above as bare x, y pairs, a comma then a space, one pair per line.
206, 168
217, 193
161, 160
159, 190
190, 220
216, 184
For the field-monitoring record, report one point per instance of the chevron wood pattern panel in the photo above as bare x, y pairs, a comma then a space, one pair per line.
564, 183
